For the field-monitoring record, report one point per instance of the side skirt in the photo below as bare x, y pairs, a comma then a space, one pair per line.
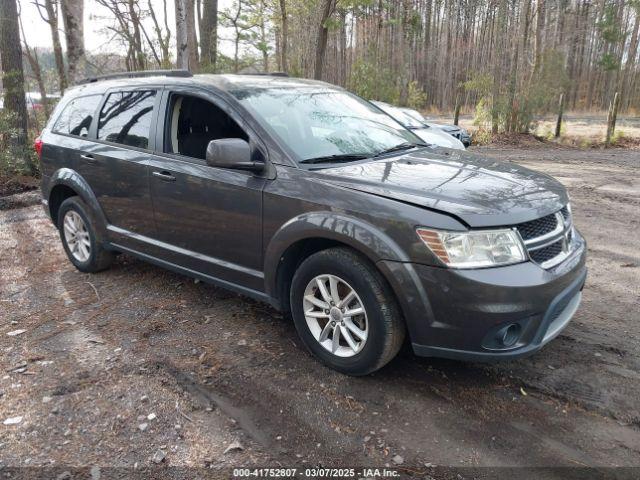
256, 295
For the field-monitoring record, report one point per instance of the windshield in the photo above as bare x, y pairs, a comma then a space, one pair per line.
403, 117
323, 123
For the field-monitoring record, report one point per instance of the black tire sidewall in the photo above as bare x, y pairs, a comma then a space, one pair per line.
75, 204
365, 360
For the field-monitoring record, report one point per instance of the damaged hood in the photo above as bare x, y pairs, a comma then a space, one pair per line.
481, 192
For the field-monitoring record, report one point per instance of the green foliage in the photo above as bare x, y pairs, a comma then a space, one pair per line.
618, 136
608, 62
373, 83
608, 26
611, 32
246, 63
416, 96
540, 95
479, 83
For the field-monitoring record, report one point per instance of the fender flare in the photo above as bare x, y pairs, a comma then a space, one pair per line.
364, 237
72, 179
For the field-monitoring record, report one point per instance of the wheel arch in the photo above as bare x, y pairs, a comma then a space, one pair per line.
66, 183
310, 233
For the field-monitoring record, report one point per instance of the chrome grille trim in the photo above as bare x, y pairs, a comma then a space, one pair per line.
553, 235
563, 232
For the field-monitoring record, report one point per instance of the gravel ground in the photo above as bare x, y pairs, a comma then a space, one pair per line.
139, 368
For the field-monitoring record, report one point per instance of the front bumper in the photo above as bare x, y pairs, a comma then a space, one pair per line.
459, 314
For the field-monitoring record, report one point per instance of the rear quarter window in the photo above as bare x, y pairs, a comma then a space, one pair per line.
76, 117
125, 118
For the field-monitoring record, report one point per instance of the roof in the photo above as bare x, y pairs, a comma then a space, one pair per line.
226, 82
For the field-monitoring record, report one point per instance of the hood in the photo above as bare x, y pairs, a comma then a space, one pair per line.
479, 191
436, 136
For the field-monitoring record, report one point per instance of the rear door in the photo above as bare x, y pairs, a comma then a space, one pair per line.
208, 219
116, 168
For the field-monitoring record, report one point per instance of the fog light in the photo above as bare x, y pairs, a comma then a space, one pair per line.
509, 336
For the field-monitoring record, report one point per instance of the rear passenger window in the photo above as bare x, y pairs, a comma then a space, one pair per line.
125, 118
76, 117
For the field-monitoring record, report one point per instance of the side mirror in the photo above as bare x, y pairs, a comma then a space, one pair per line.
232, 153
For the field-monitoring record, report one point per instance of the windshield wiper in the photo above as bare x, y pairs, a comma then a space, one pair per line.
342, 157
400, 147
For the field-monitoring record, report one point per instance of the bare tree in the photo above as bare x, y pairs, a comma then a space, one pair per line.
163, 37
238, 19
72, 15
127, 26
31, 55
48, 10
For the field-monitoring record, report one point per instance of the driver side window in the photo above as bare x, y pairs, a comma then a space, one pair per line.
193, 122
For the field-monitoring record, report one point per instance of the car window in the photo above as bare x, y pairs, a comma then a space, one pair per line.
193, 122
125, 118
76, 117
319, 122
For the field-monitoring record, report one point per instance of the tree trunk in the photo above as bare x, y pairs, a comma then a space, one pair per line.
32, 58
631, 57
13, 76
192, 39
52, 19
285, 36
321, 40
209, 34
611, 118
497, 65
560, 112
137, 38
182, 45
72, 14
539, 30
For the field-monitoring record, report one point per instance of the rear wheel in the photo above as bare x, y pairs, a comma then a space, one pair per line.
345, 313
80, 239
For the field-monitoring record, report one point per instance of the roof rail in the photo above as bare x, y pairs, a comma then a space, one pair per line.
144, 73
266, 74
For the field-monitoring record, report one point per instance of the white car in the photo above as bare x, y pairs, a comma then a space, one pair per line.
431, 135
453, 130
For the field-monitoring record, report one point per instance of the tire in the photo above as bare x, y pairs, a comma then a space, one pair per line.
87, 252
381, 319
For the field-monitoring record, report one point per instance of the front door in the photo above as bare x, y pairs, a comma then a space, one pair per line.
207, 219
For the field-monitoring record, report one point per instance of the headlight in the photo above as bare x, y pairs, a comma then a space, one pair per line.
474, 249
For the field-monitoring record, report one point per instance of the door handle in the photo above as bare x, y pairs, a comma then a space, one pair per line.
88, 157
166, 176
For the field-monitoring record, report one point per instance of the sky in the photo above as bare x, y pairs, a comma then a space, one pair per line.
96, 19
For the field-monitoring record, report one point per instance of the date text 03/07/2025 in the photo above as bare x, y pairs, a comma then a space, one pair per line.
314, 473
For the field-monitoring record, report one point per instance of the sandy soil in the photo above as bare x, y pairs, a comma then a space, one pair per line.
580, 129
138, 368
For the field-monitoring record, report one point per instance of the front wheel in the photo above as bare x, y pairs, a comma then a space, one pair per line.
345, 313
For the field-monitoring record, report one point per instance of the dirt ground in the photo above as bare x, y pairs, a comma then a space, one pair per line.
578, 129
140, 368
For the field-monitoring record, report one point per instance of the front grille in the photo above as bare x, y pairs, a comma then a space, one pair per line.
537, 228
546, 253
548, 239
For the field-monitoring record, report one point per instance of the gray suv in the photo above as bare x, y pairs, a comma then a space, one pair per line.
302, 195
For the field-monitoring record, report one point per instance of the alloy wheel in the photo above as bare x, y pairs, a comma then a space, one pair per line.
335, 315
76, 236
